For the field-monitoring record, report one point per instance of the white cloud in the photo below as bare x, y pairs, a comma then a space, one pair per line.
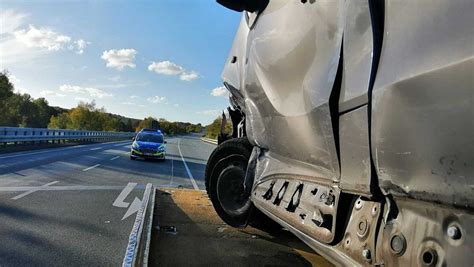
11, 20
42, 38
16, 84
220, 91
13, 79
79, 45
119, 59
189, 76
171, 68
133, 97
210, 112
176, 105
166, 68
51, 93
157, 99
93, 92
19, 43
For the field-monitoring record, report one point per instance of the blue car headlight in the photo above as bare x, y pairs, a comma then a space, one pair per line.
135, 146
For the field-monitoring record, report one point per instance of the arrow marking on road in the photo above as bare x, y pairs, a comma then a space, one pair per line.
120, 201
134, 207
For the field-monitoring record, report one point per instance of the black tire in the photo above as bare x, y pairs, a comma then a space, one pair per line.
225, 174
132, 158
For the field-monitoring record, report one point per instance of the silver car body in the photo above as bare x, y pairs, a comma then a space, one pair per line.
335, 110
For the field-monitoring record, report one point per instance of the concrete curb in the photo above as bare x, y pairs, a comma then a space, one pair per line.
209, 140
149, 227
136, 253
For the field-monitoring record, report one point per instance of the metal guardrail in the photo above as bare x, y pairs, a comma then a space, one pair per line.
25, 135
209, 140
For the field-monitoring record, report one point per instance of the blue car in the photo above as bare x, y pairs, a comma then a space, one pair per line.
148, 144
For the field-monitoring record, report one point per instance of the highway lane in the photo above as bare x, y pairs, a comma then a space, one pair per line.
56, 205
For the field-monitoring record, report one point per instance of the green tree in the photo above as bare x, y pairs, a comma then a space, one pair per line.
6, 87
214, 129
145, 123
61, 121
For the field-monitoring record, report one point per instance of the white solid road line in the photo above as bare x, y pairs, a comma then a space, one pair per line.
20, 154
33, 190
60, 188
95, 148
91, 167
187, 168
114, 158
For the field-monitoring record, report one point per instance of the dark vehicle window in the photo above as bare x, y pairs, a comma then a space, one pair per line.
150, 138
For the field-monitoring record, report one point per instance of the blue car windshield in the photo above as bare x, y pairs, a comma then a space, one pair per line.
144, 137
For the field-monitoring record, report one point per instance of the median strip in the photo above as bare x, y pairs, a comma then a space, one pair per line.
136, 253
91, 167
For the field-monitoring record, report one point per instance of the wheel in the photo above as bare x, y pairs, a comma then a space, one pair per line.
132, 158
225, 175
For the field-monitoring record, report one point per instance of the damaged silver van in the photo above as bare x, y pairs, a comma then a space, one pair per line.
353, 127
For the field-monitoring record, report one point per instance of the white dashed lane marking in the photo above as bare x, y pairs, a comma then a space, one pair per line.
91, 167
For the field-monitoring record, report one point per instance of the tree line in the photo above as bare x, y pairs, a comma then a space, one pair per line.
169, 127
21, 110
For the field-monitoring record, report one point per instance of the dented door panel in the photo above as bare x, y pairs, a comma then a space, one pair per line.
293, 53
423, 102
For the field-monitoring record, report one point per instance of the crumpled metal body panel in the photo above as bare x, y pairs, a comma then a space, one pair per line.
293, 53
357, 48
423, 102
421, 128
356, 171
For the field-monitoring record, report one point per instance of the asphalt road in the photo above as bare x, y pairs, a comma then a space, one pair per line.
74, 205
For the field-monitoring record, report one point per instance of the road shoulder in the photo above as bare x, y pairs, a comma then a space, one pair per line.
187, 231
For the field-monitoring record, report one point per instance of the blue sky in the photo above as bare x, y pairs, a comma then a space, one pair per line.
135, 58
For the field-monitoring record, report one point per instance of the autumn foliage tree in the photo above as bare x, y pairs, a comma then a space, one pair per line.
86, 116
